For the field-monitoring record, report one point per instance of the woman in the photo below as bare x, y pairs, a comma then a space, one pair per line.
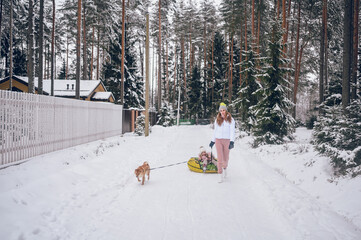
224, 131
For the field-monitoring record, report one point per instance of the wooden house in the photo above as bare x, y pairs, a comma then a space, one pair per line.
90, 90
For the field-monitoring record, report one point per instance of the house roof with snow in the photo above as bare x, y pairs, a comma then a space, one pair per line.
91, 90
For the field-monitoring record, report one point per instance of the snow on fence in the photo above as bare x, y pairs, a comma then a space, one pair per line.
31, 124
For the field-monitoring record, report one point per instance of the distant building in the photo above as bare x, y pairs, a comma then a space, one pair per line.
90, 90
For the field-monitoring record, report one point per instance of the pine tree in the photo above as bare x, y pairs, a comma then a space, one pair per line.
337, 134
62, 73
218, 72
195, 93
247, 98
166, 116
133, 86
273, 123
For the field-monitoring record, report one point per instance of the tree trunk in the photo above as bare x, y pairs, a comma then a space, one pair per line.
291, 51
253, 36
325, 69
355, 48
190, 52
166, 69
11, 46
85, 55
205, 51
141, 56
41, 47
48, 62
230, 89
287, 27
240, 59
322, 52
213, 35
98, 54
67, 57
184, 75
284, 26
245, 28
52, 51
31, 87
92, 57
77, 84
123, 55
347, 53
258, 31
175, 76
1, 18
296, 58
159, 57
146, 130
212, 69
229, 62
205, 66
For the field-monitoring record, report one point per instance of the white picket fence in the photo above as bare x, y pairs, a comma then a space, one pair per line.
31, 124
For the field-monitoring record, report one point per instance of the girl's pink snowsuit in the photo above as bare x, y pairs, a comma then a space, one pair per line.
222, 153
222, 136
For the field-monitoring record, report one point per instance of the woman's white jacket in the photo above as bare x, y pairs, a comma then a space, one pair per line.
225, 131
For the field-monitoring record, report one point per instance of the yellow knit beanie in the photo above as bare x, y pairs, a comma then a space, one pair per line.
222, 106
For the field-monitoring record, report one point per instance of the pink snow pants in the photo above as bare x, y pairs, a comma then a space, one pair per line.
222, 146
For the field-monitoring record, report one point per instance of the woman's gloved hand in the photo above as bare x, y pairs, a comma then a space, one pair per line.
231, 145
211, 144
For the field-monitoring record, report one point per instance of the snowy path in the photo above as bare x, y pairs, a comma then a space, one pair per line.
87, 194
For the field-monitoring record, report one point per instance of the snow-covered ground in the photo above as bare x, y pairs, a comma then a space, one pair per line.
90, 192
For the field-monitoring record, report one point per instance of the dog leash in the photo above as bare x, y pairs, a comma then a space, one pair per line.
169, 165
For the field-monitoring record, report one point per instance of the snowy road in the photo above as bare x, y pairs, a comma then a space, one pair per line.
90, 192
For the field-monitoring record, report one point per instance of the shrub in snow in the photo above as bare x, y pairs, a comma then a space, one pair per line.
140, 125
166, 116
337, 134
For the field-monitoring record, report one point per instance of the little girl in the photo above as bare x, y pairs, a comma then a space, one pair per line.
205, 158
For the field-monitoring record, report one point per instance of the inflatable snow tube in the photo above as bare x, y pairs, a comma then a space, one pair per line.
195, 166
